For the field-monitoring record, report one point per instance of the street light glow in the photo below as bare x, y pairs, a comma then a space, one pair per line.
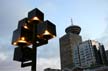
22, 41
14, 43
22, 38
46, 32
25, 26
35, 18
37, 42
46, 35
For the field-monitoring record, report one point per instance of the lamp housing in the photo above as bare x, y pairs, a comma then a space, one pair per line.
26, 24
35, 14
22, 54
23, 23
21, 36
46, 30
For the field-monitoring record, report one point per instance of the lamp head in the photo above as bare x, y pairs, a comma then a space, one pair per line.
23, 23
35, 14
46, 30
21, 37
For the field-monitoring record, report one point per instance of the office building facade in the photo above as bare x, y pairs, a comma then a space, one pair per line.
74, 53
67, 43
107, 54
89, 53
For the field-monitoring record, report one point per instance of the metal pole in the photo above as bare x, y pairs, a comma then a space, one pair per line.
34, 47
34, 57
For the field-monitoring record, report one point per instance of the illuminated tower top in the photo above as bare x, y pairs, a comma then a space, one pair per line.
73, 28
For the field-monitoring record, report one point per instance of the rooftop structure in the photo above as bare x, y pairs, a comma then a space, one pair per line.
73, 29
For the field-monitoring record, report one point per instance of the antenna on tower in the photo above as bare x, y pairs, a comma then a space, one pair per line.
71, 22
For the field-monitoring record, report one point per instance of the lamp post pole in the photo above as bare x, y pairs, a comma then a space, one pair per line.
34, 56
34, 48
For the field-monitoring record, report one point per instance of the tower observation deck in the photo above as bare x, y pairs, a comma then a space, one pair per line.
73, 29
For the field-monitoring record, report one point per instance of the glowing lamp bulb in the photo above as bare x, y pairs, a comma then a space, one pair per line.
22, 38
14, 43
25, 26
35, 18
46, 32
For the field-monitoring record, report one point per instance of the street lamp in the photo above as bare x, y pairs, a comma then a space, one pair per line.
48, 30
21, 37
31, 31
23, 23
35, 14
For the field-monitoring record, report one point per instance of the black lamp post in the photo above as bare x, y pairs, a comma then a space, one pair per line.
31, 31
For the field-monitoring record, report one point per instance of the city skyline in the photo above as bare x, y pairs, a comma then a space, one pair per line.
91, 16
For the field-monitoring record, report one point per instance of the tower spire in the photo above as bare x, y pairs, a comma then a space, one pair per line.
71, 22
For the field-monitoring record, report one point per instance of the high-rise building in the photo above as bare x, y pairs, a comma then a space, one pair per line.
89, 53
107, 54
76, 53
103, 55
67, 43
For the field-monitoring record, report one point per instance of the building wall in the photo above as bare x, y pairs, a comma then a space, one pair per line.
103, 55
84, 55
67, 43
76, 57
89, 53
107, 55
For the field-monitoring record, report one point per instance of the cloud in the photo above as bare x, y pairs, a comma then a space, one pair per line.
7, 51
12, 66
48, 6
11, 11
50, 50
43, 63
3, 56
